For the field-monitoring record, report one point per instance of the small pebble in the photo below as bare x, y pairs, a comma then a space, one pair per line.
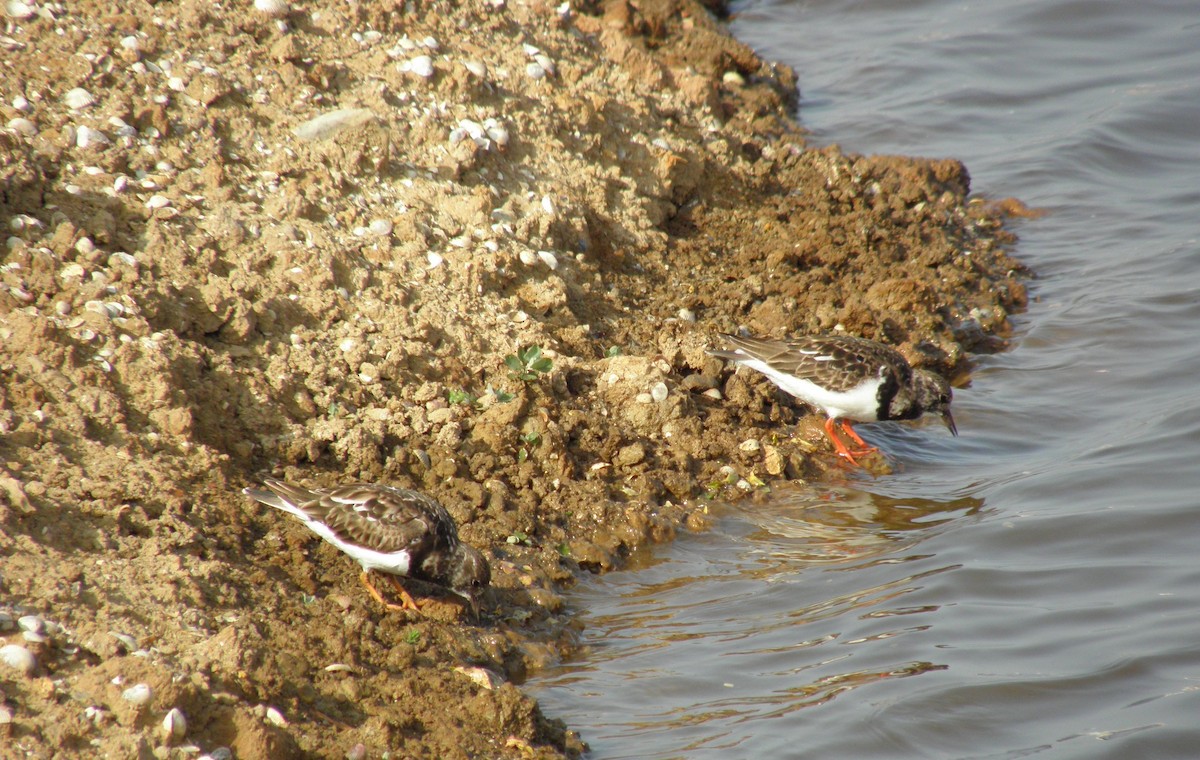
23, 126
272, 8
422, 66
19, 10
659, 392
276, 718
18, 657
138, 694
174, 724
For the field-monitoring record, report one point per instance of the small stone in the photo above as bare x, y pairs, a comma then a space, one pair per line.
23, 126
18, 657
19, 10
422, 66
481, 676
138, 694
276, 718
659, 392
272, 8
174, 724
750, 446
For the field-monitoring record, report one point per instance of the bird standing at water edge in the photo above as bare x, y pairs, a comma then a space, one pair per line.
850, 379
396, 531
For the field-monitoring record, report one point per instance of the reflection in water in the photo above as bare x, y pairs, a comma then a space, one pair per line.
749, 621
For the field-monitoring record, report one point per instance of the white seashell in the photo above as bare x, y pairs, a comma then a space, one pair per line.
138, 694
131, 42
548, 258
480, 676
530, 50
380, 227
23, 126
435, 259
78, 98
175, 724
478, 68
157, 202
17, 656
659, 392
431, 43
31, 623
528, 258
546, 64
535, 71
687, 315
329, 124
272, 8
120, 183
19, 10
422, 66
84, 245
22, 104
338, 667
548, 204
276, 718
72, 271
123, 259
126, 640
176, 83
750, 445
346, 344
497, 132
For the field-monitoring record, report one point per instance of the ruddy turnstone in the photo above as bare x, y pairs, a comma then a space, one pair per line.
393, 530
847, 378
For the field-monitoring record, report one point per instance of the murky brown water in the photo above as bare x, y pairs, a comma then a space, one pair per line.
1032, 587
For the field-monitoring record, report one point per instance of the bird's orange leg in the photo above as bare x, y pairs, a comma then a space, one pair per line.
408, 604
866, 447
838, 445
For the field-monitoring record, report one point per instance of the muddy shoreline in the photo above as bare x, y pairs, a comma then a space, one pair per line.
194, 296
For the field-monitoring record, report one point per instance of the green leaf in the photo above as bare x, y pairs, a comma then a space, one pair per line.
503, 396
612, 351
514, 363
542, 365
532, 354
522, 455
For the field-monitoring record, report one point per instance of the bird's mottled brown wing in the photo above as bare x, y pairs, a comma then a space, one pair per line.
378, 517
836, 362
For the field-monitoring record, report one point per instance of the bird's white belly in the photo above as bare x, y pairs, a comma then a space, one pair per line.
395, 563
860, 403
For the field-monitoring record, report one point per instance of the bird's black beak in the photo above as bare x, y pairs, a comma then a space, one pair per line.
471, 600
949, 420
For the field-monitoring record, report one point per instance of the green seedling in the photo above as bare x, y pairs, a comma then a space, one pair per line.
527, 364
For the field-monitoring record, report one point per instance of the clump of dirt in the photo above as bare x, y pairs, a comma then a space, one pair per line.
202, 285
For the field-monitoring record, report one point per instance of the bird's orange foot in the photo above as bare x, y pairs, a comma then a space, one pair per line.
407, 602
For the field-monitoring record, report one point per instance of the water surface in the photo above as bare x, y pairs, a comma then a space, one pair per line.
1030, 588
